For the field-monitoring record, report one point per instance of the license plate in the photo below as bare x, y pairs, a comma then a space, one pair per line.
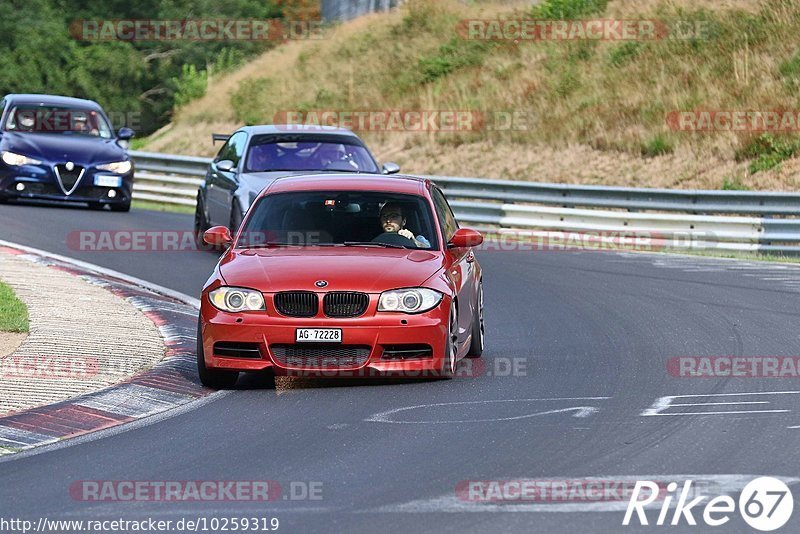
318, 335
108, 181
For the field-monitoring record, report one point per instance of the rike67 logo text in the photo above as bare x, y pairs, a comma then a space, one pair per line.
765, 504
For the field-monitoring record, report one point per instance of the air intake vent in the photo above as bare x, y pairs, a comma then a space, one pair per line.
321, 356
297, 303
345, 304
407, 352
237, 350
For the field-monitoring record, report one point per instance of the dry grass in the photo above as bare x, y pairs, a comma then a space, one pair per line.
596, 110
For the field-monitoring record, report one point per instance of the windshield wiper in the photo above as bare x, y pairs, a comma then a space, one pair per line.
370, 244
276, 245
271, 244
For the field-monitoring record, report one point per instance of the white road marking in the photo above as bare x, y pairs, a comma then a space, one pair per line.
721, 403
580, 411
726, 413
663, 403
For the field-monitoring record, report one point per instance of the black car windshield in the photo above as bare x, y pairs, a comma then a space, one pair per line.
306, 153
340, 218
58, 120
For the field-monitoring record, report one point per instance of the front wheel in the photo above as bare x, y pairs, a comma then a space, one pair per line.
236, 217
478, 328
449, 362
125, 206
208, 377
200, 223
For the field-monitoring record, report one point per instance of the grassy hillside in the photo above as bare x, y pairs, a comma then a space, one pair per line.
596, 111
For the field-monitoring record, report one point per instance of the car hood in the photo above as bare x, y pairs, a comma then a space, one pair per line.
62, 147
366, 269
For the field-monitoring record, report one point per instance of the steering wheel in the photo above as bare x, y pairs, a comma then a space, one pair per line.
393, 238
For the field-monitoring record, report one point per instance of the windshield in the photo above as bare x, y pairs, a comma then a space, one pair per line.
308, 153
58, 120
340, 218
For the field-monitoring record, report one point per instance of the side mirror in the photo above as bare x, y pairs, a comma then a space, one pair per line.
125, 134
391, 168
465, 237
218, 236
225, 165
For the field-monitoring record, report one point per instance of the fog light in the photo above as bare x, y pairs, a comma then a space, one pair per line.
20, 187
112, 193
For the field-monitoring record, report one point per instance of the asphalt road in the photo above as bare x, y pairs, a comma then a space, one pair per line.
590, 335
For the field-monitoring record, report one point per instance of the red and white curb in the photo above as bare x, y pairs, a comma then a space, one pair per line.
171, 383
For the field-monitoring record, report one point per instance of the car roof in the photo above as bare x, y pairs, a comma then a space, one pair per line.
396, 183
55, 100
296, 129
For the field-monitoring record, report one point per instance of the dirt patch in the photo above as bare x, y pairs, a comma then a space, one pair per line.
9, 341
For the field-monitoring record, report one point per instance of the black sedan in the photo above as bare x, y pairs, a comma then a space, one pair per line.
255, 156
57, 148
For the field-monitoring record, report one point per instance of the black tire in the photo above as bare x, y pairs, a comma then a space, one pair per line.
236, 217
200, 223
209, 378
124, 207
478, 328
450, 363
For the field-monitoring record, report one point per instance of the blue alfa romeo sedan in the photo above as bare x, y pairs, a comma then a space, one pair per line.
56, 148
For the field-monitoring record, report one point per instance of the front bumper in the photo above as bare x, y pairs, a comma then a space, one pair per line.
39, 182
379, 337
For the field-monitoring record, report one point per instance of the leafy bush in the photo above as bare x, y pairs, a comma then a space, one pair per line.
189, 85
246, 97
455, 54
790, 70
657, 146
624, 53
41, 51
768, 151
734, 184
569, 9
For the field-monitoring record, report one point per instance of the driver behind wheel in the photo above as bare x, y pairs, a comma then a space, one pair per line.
393, 221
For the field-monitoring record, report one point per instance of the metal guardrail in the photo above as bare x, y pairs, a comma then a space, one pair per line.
730, 220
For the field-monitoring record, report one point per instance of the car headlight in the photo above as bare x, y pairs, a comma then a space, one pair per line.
410, 300
118, 167
17, 160
237, 299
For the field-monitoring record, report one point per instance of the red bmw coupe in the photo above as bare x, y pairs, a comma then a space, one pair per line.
342, 275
